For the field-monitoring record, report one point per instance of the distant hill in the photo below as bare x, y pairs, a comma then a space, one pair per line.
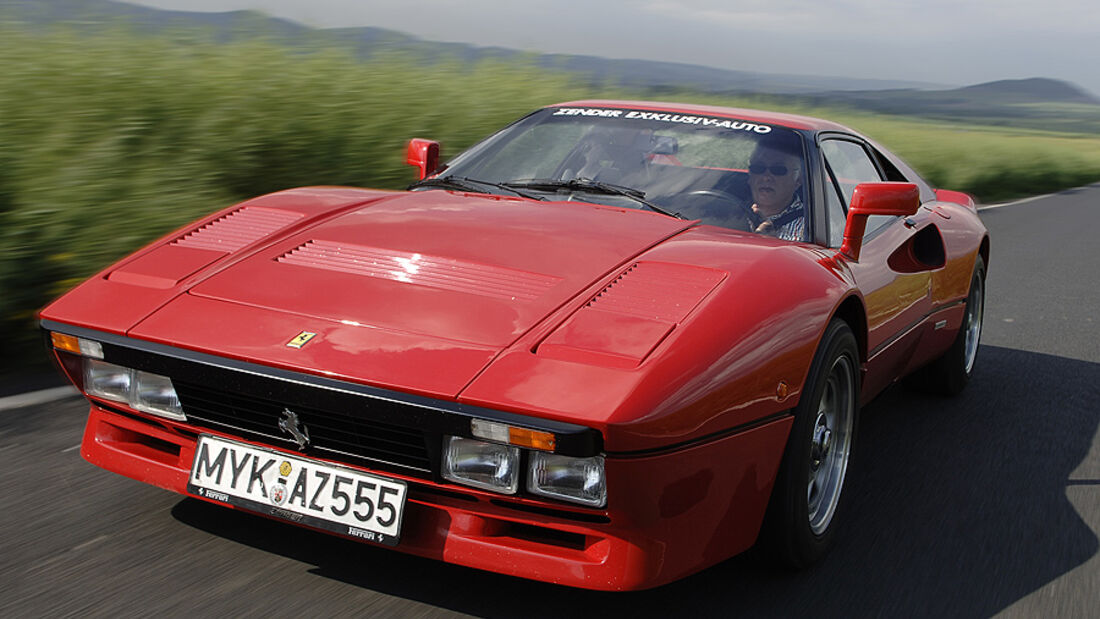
90, 13
1036, 102
1032, 90
636, 74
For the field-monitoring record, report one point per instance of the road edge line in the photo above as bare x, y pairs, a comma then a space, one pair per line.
1034, 198
1014, 202
41, 396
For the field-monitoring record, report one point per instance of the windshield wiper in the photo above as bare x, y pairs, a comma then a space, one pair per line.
591, 186
463, 183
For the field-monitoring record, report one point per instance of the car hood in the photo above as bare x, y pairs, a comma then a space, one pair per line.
419, 291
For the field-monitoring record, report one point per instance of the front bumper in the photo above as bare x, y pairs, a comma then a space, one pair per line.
669, 514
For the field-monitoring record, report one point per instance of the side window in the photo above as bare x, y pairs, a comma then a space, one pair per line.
836, 214
851, 165
888, 168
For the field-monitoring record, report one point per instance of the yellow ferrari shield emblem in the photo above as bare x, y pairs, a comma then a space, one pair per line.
301, 339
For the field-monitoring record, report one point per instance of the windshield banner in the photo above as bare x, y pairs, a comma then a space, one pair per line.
705, 121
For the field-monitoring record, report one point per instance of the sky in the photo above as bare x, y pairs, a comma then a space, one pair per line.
949, 42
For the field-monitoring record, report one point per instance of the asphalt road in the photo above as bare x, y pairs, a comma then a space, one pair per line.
967, 507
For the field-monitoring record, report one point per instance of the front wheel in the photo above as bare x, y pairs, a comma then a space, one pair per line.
807, 495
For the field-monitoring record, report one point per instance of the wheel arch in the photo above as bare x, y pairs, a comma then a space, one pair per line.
852, 311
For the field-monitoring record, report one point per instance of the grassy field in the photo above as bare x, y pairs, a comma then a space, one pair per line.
109, 140
991, 163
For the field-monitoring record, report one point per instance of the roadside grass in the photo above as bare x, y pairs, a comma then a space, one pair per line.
110, 139
991, 163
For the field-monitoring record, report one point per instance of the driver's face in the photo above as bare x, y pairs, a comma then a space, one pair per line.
771, 191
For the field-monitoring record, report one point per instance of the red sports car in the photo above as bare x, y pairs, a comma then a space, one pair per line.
609, 346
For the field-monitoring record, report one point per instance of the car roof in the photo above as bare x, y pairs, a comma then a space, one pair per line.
792, 121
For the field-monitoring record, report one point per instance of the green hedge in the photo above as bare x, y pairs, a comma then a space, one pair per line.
109, 140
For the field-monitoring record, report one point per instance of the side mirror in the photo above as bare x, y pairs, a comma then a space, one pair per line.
424, 156
893, 199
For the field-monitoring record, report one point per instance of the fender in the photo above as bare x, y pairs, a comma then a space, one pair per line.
740, 356
123, 294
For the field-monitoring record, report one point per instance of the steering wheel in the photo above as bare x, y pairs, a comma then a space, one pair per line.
712, 193
737, 214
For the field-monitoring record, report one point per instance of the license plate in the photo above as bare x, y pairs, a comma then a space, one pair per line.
317, 494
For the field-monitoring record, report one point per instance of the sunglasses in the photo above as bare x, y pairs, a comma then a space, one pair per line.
776, 170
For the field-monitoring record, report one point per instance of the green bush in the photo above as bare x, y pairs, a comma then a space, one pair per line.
109, 140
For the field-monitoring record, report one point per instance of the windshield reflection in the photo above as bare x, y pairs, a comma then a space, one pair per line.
693, 166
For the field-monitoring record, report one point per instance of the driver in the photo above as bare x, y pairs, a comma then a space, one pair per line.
775, 175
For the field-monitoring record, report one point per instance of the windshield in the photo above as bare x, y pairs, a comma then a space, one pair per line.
723, 171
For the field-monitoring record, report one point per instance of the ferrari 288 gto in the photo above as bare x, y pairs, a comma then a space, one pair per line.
608, 346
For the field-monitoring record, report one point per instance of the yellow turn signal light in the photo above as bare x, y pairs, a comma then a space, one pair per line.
61, 341
533, 439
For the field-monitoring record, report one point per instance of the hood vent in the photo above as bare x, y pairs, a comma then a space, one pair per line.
659, 291
238, 229
420, 269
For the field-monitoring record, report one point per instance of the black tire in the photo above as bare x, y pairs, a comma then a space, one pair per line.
950, 373
800, 526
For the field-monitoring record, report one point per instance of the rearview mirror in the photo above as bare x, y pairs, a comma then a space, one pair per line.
892, 199
665, 145
424, 155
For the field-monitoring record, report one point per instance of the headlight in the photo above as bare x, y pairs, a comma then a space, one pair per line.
144, 391
155, 394
579, 480
107, 380
489, 466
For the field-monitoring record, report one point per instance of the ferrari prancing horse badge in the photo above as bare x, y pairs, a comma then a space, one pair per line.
301, 339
